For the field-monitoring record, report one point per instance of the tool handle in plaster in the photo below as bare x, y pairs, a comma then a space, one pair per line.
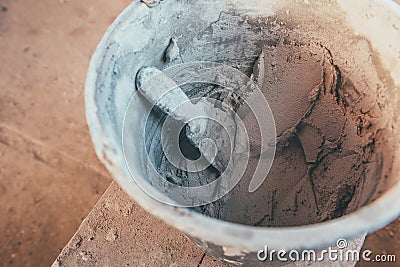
163, 92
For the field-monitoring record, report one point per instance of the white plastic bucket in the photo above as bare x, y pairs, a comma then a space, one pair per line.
135, 40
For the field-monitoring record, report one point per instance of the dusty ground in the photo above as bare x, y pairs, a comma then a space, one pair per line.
104, 239
49, 176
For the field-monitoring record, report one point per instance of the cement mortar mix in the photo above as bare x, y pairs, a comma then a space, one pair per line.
332, 150
334, 100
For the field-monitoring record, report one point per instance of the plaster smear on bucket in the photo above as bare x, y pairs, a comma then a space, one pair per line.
330, 152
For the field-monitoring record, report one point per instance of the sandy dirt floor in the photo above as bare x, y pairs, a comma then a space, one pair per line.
49, 176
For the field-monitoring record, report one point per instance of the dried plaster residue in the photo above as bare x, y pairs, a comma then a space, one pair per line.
332, 155
327, 163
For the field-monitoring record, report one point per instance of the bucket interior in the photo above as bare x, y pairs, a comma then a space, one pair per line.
331, 93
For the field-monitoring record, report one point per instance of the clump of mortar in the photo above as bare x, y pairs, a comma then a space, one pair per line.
327, 162
321, 158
